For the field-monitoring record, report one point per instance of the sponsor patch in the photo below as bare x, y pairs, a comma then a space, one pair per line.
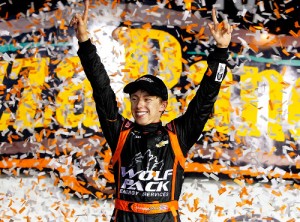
221, 72
162, 143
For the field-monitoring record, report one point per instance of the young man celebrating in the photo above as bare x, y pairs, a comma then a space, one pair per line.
149, 158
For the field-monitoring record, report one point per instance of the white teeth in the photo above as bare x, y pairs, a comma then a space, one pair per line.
140, 113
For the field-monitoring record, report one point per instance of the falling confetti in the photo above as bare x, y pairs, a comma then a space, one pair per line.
47, 35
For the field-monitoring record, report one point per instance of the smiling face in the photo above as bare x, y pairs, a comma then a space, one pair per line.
145, 108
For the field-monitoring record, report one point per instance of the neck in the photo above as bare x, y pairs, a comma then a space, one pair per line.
149, 127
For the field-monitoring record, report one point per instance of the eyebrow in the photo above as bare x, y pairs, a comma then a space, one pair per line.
147, 95
144, 97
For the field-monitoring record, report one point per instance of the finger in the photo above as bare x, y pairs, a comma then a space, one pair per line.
79, 19
86, 10
214, 16
226, 25
211, 27
73, 21
231, 29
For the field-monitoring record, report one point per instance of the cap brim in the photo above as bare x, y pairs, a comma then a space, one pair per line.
143, 85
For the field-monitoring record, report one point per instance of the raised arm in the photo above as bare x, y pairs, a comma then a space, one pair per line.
79, 23
190, 125
103, 94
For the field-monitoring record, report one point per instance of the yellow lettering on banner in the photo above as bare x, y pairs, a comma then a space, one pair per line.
197, 71
137, 51
275, 80
222, 109
4, 119
249, 104
47, 117
252, 84
76, 94
75, 90
31, 81
293, 111
30, 74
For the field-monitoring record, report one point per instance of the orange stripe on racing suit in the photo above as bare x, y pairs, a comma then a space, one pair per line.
149, 207
179, 158
146, 208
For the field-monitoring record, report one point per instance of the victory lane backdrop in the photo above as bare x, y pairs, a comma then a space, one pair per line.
49, 124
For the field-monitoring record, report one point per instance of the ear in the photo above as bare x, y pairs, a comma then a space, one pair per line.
163, 106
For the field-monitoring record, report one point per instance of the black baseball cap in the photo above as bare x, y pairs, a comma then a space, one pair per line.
150, 83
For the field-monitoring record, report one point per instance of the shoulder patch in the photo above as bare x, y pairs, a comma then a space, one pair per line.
220, 72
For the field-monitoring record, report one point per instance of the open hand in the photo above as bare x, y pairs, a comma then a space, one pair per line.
79, 22
220, 31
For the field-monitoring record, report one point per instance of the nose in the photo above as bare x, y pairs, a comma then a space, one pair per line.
140, 103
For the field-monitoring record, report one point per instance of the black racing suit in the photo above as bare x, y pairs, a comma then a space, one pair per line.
149, 166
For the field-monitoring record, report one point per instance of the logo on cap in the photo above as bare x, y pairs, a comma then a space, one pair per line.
145, 79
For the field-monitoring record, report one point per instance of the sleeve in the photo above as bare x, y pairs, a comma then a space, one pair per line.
104, 97
190, 125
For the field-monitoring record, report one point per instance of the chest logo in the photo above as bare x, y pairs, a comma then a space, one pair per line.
162, 143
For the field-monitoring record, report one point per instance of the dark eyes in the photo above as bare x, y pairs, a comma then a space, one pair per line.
147, 99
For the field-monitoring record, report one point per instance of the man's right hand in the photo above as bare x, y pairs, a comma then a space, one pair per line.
79, 22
